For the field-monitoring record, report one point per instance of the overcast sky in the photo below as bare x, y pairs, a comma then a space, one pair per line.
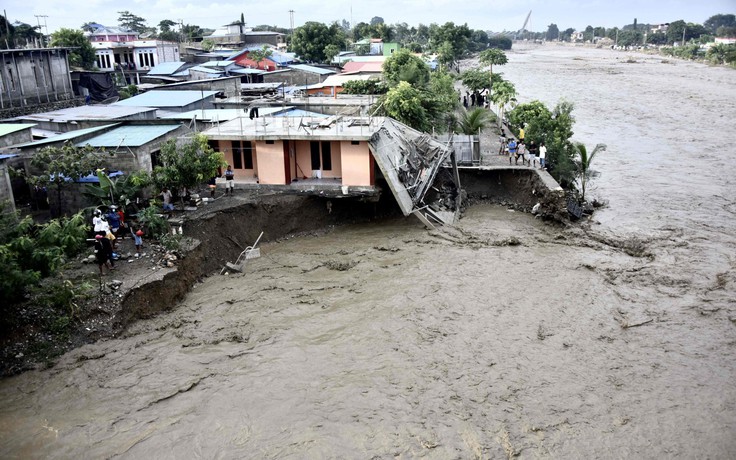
495, 15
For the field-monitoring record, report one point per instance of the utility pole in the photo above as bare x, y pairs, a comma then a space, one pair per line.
38, 19
291, 21
683, 35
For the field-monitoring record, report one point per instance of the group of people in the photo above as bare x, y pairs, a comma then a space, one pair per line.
519, 150
108, 229
476, 99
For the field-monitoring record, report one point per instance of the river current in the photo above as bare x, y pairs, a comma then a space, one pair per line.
612, 339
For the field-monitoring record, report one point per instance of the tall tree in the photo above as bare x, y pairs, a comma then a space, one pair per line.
83, 55
491, 57
375, 20
719, 20
504, 93
583, 164
309, 41
130, 21
553, 32
404, 66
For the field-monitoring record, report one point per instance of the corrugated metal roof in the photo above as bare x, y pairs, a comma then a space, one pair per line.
208, 70
167, 98
66, 136
311, 68
129, 136
10, 128
86, 112
217, 63
206, 115
166, 68
6, 156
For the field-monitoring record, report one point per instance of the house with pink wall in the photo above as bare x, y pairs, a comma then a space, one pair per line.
336, 157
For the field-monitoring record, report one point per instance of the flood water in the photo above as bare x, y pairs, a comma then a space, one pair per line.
614, 339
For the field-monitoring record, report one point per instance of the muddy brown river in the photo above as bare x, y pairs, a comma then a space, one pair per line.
614, 339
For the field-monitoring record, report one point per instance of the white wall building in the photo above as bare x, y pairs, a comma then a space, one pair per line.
117, 48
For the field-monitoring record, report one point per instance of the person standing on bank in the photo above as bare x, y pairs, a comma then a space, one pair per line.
542, 154
229, 180
512, 149
166, 196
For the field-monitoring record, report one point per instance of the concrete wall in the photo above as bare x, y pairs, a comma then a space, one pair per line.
6, 189
32, 76
356, 163
18, 137
294, 77
226, 148
271, 166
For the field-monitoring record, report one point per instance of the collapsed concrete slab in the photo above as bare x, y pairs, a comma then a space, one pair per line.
410, 161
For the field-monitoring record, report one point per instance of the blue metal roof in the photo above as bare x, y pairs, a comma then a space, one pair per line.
166, 98
166, 68
248, 71
311, 68
129, 136
6, 156
217, 63
66, 136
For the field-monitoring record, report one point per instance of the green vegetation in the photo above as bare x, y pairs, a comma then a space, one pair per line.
310, 40
62, 166
583, 163
186, 163
372, 86
474, 120
554, 129
83, 55
416, 97
30, 251
127, 91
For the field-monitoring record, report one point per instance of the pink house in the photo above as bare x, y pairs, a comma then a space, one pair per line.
335, 157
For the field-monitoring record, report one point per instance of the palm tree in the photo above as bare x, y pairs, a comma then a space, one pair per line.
583, 163
473, 120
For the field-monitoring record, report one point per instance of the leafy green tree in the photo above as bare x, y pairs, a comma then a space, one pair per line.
472, 121
372, 86
89, 26
456, 36
375, 20
476, 79
583, 164
404, 66
83, 55
722, 54
500, 41
630, 38
491, 57
192, 32
331, 51
405, 103
130, 21
310, 40
186, 163
446, 55
166, 31
553, 32
554, 128
717, 21
26, 34
61, 166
